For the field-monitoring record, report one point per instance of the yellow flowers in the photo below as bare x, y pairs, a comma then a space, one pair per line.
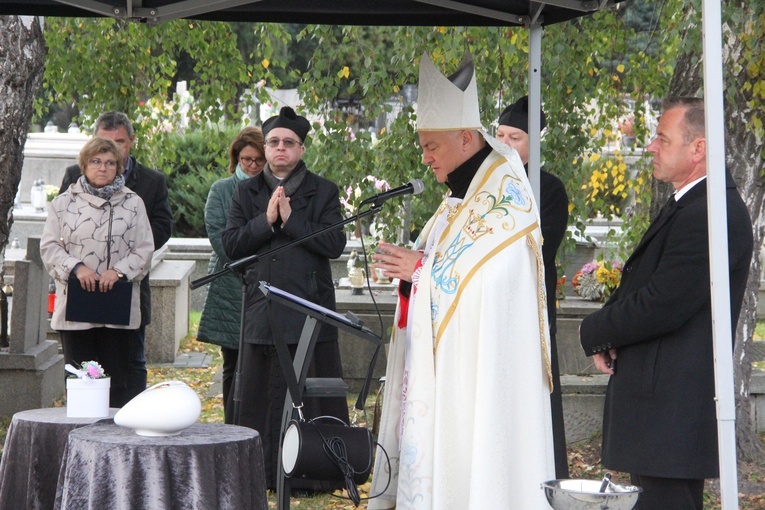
609, 183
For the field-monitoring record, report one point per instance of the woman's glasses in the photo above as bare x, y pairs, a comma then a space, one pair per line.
110, 163
249, 161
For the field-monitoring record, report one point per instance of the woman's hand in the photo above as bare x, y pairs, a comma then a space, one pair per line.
397, 262
87, 277
107, 280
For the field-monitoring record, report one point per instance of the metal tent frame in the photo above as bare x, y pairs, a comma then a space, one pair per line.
533, 15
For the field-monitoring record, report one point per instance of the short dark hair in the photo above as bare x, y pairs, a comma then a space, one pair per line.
109, 121
694, 115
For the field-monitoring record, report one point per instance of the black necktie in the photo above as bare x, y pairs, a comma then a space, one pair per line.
668, 208
671, 204
663, 215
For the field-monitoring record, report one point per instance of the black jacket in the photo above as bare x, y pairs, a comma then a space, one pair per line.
659, 417
151, 186
553, 215
302, 270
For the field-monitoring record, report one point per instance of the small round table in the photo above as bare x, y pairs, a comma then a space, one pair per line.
207, 465
34, 448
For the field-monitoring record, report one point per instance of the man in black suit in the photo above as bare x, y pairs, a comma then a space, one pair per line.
513, 130
151, 186
659, 422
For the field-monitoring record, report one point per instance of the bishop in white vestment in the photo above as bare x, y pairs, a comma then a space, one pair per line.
466, 416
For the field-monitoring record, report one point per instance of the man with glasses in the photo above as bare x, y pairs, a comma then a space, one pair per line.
283, 203
150, 185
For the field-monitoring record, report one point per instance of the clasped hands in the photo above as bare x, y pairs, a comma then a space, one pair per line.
278, 207
397, 262
89, 279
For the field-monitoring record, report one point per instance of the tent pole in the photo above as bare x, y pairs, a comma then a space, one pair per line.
535, 101
718, 259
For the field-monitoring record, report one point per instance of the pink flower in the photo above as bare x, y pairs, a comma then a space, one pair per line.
589, 267
92, 369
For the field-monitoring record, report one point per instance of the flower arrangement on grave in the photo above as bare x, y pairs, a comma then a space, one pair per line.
86, 370
51, 192
597, 280
560, 288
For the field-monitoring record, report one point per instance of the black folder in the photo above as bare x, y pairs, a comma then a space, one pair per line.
110, 307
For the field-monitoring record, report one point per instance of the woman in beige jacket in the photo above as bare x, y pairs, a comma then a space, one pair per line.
98, 234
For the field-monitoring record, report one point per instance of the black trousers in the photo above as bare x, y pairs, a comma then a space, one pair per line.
230, 357
556, 407
666, 493
110, 348
137, 364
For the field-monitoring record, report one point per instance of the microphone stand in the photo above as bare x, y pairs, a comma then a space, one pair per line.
241, 265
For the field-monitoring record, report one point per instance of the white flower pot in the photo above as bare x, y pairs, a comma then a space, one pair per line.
87, 398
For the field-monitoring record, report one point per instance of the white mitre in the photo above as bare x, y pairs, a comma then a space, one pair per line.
446, 104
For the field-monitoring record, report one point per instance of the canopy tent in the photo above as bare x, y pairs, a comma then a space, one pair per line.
333, 12
533, 15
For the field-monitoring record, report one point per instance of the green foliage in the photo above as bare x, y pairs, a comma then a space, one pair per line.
585, 63
373, 65
103, 64
201, 159
745, 90
590, 68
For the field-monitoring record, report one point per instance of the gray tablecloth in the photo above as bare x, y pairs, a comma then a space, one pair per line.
34, 448
207, 466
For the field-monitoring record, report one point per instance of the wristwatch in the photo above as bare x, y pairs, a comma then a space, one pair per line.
121, 276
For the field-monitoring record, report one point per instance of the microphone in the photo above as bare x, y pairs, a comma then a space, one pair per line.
413, 187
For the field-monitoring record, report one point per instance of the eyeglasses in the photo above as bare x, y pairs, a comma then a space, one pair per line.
98, 163
249, 161
289, 143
